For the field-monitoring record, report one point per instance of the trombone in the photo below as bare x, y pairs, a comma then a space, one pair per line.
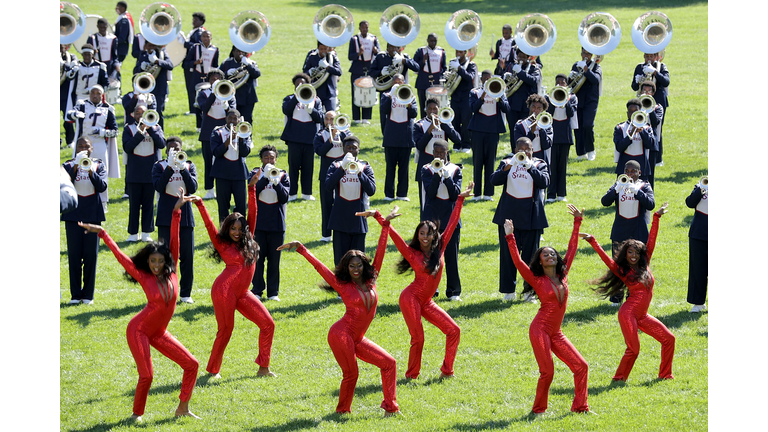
543, 120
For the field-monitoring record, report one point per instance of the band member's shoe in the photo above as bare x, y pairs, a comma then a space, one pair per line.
561, 198
388, 199
275, 298
510, 296
581, 157
326, 239
87, 302
549, 200
486, 198
307, 197
403, 199
74, 301
292, 198
366, 122
529, 297
455, 298
146, 237
133, 238
209, 194
186, 300
591, 156
104, 206
694, 309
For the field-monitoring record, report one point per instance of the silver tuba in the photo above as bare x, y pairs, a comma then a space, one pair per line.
399, 25
599, 33
462, 31
143, 83
559, 96
333, 26
535, 34
160, 24
71, 23
249, 32
651, 33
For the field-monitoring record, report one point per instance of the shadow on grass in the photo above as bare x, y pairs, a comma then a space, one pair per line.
128, 422
475, 310
505, 424
678, 319
306, 423
302, 308
593, 390
590, 314
84, 318
193, 313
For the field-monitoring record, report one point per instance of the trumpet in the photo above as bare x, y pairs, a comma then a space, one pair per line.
180, 157
404, 94
224, 90
353, 167
543, 120
445, 115
704, 185
559, 96
520, 158
143, 83
647, 103
624, 180
495, 87
243, 129
305, 93
149, 119
437, 165
639, 120
85, 164
272, 173
341, 123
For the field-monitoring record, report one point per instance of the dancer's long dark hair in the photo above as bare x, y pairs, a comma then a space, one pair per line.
610, 284
247, 246
342, 270
433, 262
141, 260
538, 270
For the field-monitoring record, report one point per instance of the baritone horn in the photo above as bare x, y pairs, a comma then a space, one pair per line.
305, 93
243, 129
143, 83
341, 123
71, 23
224, 90
495, 87
404, 94
150, 118
559, 96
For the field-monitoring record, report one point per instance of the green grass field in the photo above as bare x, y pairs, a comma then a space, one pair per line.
496, 372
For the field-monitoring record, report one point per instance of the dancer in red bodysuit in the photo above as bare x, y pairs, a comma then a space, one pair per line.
630, 270
235, 246
154, 267
424, 255
548, 275
354, 279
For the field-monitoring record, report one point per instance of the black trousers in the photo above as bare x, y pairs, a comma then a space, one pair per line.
207, 164
512, 118
367, 113
268, 242
484, 146
301, 164
69, 132
558, 168
451, 256
326, 203
246, 110
527, 243
186, 256
397, 159
344, 242
189, 83
141, 197
585, 134
82, 253
462, 113
225, 191
698, 271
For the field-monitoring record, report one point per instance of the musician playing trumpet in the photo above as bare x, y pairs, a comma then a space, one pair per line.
462, 112
154, 55
328, 145
385, 65
239, 62
655, 118
541, 138
527, 71
589, 98
214, 113
230, 147
633, 142
425, 133
563, 121
398, 141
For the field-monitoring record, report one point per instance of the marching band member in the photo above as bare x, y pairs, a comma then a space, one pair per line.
385, 64
82, 247
351, 193
363, 48
246, 93
698, 239
354, 279
660, 76
630, 269
154, 268
529, 73
229, 167
194, 37
325, 58
633, 143
170, 175
505, 52
441, 190
214, 112
234, 245
425, 133
142, 145
588, 98
133, 99
431, 61
397, 142
547, 273
527, 127
68, 60
301, 125
424, 256
106, 48
271, 197
123, 30
154, 56
632, 201
486, 124
328, 145
656, 119
462, 111
201, 58
96, 120
522, 201
563, 119
84, 74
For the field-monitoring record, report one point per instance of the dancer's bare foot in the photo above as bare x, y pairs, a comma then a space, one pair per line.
183, 411
392, 414
444, 376
137, 418
265, 372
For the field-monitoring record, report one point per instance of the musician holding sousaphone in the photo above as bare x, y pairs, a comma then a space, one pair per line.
333, 26
194, 37
363, 47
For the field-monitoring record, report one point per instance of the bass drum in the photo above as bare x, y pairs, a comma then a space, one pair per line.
364, 94
112, 93
441, 94
90, 28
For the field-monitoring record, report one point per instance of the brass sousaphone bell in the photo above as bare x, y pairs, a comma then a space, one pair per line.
71, 23
249, 32
462, 32
399, 25
333, 26
599, 33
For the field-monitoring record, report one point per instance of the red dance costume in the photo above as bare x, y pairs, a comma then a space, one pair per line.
545, 333
230, 292
416, 301
148, 327
633, 314
347, 336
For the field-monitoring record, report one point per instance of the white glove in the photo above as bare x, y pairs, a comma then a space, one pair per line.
527, 164
648, 69
97, 131
639, 78
231, 71
397, 60
454, 64
507, 76
171, 156
244, 60
444, 172
73, 71
385, 70
79, 157
181, 166
632, 188
581, 64
516, 68
347, 159
322, 64
144, 66
152, 57
79, 114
